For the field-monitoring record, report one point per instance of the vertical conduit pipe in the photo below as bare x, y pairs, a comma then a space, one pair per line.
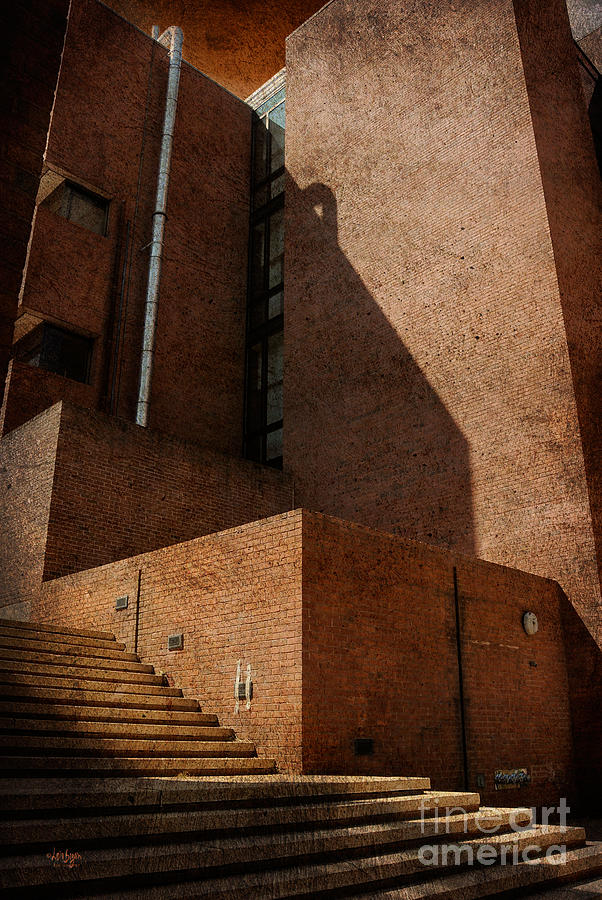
159, 216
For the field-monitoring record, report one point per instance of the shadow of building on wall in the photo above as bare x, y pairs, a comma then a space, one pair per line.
367, 438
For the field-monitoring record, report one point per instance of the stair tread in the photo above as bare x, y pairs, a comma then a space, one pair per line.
18, 655
99, 713
71, 682
55, 629
296, 875
17, 666
96, 697
133, 730
41, 647
133, 746
201, 821
60, 637
86, 792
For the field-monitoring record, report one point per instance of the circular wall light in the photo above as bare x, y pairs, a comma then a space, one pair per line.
530, 623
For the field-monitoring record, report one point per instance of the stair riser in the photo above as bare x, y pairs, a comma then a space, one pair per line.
8, 681
15, 655
18, 667
42, 647
207, 821
131, 766
94, 698
105, 714
37, 628
280, 883
59, 638
11, 746
132, 732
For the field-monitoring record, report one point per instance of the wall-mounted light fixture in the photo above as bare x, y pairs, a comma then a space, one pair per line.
530, 623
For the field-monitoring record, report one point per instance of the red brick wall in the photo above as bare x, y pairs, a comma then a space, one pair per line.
349, 633
29, 69
105, 132
120, 490
437, 399
30, 391
573, 194
235, 596
27, 459
380, 661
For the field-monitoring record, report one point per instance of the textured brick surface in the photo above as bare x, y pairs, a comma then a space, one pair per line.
27, 458
30, 65
380, 660
235, 596
350, 633
438, 399
105, 133
115, 490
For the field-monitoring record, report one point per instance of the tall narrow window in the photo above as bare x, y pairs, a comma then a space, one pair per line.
265, 304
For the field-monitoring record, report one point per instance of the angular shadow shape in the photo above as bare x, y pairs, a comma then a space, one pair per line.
366, 436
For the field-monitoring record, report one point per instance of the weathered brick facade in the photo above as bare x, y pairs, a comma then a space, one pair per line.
445, 272
441, 385
82, 489
349, 633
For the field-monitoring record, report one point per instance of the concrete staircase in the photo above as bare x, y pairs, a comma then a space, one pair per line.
90, 805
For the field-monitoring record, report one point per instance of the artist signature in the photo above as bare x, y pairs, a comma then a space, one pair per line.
64, 858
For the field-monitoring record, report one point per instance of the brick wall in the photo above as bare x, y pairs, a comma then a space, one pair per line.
235, 596
380, 661
105, 133
349, 633
30, 65
120, 489
438, 398
27, 458
103, 489
30, 391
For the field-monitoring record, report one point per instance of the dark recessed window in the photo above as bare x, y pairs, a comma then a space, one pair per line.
265, 309
57, 350
78, 205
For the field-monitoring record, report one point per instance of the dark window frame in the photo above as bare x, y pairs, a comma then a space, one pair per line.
259, 333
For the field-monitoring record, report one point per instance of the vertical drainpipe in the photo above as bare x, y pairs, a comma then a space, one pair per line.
159, 217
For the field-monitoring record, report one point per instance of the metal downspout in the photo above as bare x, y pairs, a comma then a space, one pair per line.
159, 217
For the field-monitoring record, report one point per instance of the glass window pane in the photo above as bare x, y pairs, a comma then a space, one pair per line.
276, 305
274, 445
254, 388
277, 186
260, 135
277, 137
276, 248
275, 370
87, 211
257, 258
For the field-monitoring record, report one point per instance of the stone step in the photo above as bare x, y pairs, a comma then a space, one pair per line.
510, 881
120, 765
107, 713
42, 647
70, 682
92, 673
133, 730
90, 793
295, 874
37, 628
128, 747
334, 813
58, 697
17, 655
59, 637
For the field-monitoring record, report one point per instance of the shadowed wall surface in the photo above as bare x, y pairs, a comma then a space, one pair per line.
429, 382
